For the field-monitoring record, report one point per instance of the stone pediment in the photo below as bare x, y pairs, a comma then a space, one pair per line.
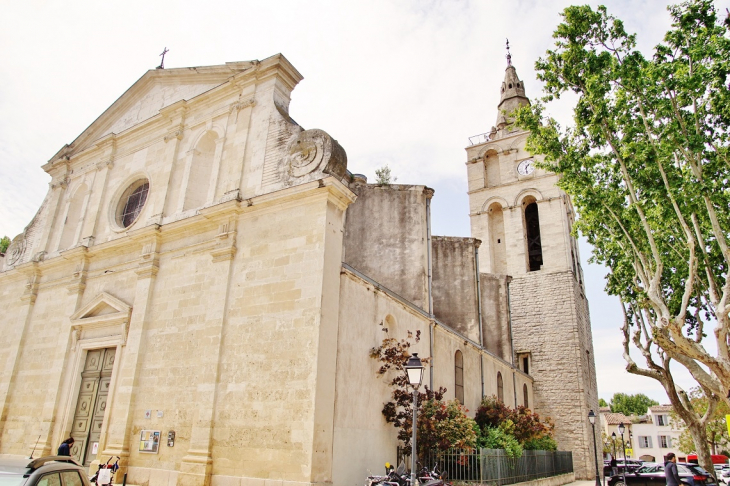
155, 90
104, 313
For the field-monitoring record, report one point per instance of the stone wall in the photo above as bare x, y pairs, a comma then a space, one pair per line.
455, 293
550, 321
386, 237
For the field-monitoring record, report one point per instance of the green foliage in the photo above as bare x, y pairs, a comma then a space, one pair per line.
544, 443
383, 176
717, 436
4, 244
526, 425
648, 165
392, 355
500, 438
445, 425
631, 404
602, 403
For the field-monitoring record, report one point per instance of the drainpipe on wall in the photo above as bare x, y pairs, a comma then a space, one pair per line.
479, 309
429, 264
509, 323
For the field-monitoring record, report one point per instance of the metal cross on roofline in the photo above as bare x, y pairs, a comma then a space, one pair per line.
162, 63
509, 56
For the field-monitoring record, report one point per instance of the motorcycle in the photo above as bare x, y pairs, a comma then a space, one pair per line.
105, 474
400, 477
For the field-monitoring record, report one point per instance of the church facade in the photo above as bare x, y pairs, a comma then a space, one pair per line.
200, 289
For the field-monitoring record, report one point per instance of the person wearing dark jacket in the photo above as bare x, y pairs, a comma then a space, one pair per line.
670, 470
65, 448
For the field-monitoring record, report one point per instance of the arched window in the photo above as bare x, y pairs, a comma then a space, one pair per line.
201, 168
459, 376
73, 218
532, 232
500, 387
524, 393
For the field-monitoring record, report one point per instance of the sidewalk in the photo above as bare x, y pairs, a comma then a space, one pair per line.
587, 482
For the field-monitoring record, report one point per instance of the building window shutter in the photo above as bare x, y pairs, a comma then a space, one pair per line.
648, 439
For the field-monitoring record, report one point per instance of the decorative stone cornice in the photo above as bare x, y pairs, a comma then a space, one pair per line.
175, 134
241, 104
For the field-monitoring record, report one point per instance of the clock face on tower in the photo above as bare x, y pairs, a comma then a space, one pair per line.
526, 167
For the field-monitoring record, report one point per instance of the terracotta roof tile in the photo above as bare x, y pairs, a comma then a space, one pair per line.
616, 418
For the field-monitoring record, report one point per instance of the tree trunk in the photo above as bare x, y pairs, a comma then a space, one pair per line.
699, 435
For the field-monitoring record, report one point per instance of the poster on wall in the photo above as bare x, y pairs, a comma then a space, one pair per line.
149, 441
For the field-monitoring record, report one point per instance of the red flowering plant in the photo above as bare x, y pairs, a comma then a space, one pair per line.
443, 426
392, 355
528, 428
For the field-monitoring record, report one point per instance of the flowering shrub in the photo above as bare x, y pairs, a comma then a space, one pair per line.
445, 425
526, 425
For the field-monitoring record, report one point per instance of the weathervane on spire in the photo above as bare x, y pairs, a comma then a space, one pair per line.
509, 56
162, 63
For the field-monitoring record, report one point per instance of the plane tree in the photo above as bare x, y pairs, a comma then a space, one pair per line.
647, 165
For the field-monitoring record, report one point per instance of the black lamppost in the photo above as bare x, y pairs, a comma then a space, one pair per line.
414, 368
621, 429
592, 420
613, 440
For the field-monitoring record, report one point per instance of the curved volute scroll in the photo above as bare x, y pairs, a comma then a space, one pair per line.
315, 151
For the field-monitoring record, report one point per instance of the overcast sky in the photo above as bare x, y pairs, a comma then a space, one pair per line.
396, 82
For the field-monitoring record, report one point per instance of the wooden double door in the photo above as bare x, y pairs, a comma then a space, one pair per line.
91, 404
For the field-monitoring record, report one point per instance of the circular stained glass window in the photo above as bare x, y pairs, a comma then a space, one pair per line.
132, 202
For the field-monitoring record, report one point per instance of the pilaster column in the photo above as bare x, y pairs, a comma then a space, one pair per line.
196, 465
172, 139
108, 146
32, 275
118, 436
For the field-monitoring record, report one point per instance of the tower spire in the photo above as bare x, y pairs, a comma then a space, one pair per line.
512, 93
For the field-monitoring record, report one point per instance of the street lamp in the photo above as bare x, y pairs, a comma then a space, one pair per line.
592, 420
414, 369
621, 429
613, 441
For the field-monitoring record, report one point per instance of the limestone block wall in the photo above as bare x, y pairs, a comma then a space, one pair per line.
386, 237
496, 329
455, 293
550, 322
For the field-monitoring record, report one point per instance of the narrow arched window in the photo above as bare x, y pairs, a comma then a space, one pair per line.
524, 393
459, 376
500, 387
532, 232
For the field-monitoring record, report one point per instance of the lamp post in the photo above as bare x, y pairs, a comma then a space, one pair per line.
613, 441
414, 368
621, 429
592, 420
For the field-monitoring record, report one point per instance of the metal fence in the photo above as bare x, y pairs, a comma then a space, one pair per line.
495, 467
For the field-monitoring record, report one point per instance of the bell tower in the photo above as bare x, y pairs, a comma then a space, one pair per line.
524, 221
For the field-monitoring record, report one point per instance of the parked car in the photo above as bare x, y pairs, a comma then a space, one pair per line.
724, 475
44, 471
631, 465
652, 474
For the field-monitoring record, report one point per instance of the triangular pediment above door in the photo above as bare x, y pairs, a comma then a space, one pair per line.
102, 310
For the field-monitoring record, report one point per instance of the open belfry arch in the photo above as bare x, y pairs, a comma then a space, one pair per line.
206, 269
